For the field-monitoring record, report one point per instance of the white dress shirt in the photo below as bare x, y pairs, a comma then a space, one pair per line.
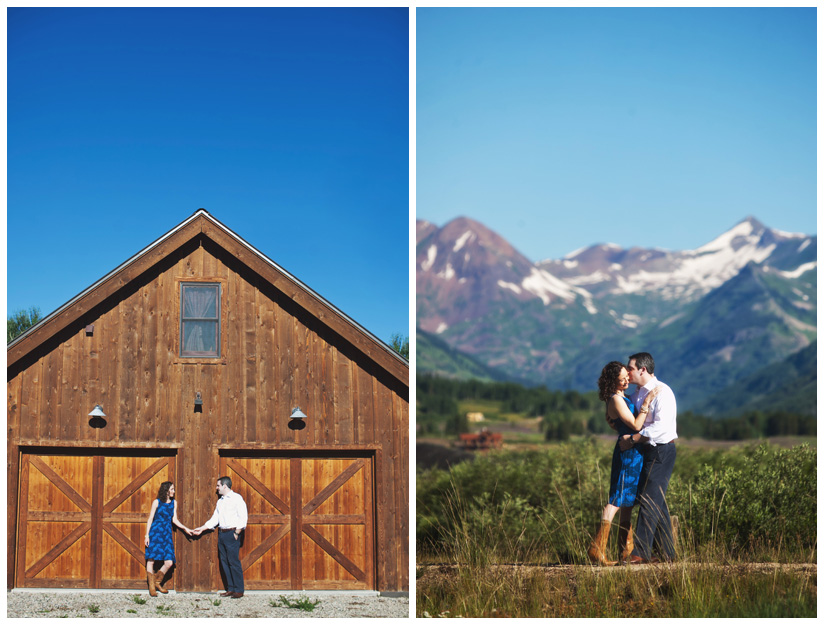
230, 512
660, 424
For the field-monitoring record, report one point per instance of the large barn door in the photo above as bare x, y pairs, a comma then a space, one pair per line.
310, 521
130, 485
82, 519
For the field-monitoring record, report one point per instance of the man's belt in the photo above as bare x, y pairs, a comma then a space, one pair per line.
653, 445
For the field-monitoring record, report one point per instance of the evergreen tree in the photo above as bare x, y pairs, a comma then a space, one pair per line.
20, 321
401, 344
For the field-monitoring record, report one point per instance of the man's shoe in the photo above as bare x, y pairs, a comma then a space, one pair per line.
227, 593
236, 594
636, 560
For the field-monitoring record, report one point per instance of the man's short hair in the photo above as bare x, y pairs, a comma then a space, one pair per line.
225, 480
643, 360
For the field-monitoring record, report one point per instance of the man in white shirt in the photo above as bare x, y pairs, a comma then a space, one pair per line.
230, 517
656, 442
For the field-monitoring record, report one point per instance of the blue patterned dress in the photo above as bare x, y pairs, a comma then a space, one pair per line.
626, 467
161, 547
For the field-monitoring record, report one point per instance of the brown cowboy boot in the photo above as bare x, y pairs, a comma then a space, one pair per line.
150, 580
599, 546
159, 575
625, 541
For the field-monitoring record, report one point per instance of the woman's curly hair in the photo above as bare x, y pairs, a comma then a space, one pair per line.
163, 492
609, 380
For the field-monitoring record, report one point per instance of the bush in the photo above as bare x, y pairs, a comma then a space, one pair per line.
762, 495
513, 505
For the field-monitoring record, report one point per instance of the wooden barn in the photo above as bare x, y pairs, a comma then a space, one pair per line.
197, 350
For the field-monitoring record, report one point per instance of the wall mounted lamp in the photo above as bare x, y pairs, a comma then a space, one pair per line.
297, 419
198, 403
97, 416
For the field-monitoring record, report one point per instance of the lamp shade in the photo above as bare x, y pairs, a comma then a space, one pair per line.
97, 411
297, 414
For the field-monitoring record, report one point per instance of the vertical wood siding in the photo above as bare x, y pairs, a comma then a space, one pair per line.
275, 356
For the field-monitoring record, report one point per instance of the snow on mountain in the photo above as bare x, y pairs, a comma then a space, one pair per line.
544, 285
468, 235
558, 321
606, 268
805, 267
465, 262
480, 261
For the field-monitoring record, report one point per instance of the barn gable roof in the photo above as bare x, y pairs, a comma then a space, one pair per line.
201, 222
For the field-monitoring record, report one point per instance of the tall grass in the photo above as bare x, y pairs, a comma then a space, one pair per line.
493, 518
664, 591
755, 503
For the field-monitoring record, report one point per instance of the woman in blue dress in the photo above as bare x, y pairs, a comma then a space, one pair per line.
159, 542
626, 466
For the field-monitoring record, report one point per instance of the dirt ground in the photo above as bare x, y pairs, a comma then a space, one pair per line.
431, 573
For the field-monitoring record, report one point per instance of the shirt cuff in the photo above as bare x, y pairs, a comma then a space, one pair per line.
649, 441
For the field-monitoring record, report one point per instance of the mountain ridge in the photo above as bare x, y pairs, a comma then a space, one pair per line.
550, 322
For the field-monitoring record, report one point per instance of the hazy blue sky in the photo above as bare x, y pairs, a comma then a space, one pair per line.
289, 126
560, 128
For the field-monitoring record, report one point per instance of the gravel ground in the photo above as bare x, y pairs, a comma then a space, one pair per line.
253, 604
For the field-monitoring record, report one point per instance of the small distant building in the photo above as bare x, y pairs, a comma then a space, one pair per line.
484, 440
475, 417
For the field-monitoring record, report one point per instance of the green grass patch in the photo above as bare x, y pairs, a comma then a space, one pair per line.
303, 603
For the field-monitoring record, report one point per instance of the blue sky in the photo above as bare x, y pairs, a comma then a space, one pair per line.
290, 126
561, 128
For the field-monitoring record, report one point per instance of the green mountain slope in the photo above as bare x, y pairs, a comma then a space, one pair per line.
436, 357
739, 328
789, 385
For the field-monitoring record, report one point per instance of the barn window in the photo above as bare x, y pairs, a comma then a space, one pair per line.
200, 319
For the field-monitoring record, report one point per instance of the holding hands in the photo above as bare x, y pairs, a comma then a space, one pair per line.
189, 531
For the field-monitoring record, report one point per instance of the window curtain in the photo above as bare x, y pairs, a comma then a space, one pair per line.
199, 302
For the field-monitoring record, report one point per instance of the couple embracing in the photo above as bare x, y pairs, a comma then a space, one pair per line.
643, 461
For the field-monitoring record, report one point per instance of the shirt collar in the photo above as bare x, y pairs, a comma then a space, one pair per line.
651, 384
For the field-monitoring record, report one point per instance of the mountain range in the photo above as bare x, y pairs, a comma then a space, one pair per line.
711, 317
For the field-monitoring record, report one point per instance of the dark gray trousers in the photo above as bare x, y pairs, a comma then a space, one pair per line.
229, 554
653, 531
